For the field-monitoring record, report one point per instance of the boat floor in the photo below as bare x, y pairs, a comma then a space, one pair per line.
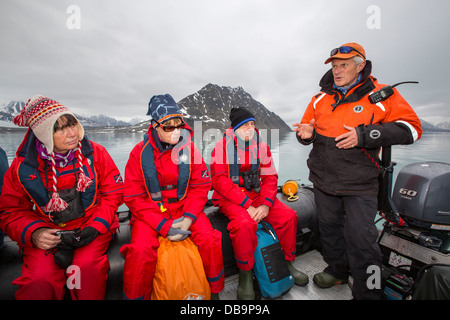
310, 263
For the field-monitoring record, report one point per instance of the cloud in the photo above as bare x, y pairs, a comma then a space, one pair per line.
125, 52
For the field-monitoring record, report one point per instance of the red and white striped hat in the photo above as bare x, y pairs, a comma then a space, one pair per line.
40, 115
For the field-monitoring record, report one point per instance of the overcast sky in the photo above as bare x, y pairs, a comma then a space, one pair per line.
110, 56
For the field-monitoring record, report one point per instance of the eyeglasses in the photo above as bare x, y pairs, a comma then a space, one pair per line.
344, 49
171, 128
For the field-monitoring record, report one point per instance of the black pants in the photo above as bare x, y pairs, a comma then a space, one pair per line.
434, 285
348, 239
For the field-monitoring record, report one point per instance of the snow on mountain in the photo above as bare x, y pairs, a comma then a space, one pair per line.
9, 110
212, 105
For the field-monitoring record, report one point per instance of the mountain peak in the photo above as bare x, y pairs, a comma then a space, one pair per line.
10, 110
212, 105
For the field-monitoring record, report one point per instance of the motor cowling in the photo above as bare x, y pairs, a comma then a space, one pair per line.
422, 195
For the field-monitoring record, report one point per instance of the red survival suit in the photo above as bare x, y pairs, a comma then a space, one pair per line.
184, 193
233, 199
23, 195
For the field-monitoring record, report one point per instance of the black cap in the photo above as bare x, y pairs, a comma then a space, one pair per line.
239, 116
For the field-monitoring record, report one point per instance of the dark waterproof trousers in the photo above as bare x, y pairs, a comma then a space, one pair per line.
434, 285
348, 239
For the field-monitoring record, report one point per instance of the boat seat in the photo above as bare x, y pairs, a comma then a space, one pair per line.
307, 239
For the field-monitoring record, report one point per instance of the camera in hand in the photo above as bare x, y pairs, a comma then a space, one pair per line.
69, 236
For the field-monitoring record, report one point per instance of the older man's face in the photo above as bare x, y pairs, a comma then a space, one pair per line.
345, 71
246, 131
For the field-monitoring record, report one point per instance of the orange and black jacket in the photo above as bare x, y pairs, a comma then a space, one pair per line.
355, 171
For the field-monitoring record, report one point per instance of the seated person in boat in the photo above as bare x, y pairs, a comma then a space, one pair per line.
245, 180
166, 189
3, 167
59, 203
347, 130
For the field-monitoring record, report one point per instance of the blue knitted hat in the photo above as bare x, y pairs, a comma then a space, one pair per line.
163, 107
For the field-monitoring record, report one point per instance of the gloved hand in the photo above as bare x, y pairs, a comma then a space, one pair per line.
182, 223
179, 229
87, 235
63, 255
68, 237
63, 252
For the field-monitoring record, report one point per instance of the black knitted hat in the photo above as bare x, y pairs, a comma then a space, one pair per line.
239, 116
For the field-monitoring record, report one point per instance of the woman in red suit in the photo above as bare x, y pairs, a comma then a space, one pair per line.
60, 182
166, 188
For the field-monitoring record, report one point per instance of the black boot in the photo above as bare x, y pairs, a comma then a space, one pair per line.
300, 278
246, 291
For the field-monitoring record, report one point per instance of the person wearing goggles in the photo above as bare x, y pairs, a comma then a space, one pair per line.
347, 131
347, 62
169, 132
166, 188
171, 125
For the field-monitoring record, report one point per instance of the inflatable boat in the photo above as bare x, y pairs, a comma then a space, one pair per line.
414, 237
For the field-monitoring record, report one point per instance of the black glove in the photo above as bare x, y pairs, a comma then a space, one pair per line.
63, 255
63, 252
68, 237
87, 235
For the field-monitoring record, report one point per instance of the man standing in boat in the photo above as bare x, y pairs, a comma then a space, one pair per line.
3, 168
244, 180
347, 130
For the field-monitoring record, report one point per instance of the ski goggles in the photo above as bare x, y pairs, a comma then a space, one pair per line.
344, 50
171, 128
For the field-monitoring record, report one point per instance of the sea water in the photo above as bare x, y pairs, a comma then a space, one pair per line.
289, 155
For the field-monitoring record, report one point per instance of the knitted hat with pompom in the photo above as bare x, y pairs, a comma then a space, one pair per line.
40, 115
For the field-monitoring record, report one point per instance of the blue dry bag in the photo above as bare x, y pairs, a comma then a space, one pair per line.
270, 267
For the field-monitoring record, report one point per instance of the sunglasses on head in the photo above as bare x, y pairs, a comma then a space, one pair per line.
344, 49
171, 128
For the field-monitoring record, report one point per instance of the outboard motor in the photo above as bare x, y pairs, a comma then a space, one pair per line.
418, 207
416, 233
422, 198
422, 195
